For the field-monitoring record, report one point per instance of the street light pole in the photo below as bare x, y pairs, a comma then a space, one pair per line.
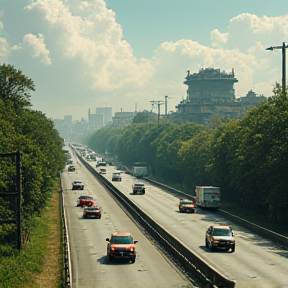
284, 66
283, 47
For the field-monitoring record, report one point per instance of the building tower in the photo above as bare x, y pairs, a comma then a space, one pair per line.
210, 84
210, 92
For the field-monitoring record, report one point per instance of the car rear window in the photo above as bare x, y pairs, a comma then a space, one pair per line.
121, 240
92, 208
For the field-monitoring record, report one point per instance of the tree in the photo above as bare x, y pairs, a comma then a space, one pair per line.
144, 117
15, 87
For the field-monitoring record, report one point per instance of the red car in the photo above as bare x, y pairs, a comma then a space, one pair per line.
85, 201
121, 245
92, 212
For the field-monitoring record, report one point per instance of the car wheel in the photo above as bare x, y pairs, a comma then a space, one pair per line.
233, 248
133, 260
206, 243
99, 217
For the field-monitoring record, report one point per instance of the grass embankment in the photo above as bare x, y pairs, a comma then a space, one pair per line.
39, 263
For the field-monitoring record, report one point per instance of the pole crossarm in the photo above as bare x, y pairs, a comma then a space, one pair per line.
277, 47
283, 48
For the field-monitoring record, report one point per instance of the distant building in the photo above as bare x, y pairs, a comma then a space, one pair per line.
122, 118
251, 99
211, 92
106, 112
95, 122
68, 120
70, 131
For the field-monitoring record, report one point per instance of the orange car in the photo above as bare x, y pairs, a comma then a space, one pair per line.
121, 245
92, 212
187, 205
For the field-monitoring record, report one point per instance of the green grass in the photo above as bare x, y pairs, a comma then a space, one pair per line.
25, 268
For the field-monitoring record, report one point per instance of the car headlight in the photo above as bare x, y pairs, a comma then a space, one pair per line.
131, 249
112, 249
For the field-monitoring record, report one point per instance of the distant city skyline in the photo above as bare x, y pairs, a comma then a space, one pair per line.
123, 54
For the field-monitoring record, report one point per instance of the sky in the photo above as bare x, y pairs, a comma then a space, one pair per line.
126, 53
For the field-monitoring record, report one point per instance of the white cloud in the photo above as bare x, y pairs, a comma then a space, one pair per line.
35, 48
74, 52
4, 50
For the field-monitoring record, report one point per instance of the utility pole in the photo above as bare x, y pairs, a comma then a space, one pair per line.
283, 47
158, 102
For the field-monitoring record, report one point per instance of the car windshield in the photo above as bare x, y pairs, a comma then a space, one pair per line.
222, 232
121, 240
139, 185
77, 182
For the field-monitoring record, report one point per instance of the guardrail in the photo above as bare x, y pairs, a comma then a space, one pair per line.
195, 267
66, 243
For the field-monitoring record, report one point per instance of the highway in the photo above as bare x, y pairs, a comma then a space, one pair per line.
257, 262
90, 267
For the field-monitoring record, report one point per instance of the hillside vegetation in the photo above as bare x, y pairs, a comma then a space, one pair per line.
247, 158
33, 134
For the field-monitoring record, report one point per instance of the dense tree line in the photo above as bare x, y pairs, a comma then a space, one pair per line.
33, 134
247, 158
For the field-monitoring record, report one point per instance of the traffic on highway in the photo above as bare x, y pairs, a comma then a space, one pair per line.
240, 255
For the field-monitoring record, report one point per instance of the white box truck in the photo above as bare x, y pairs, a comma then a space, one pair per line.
139, 171
208, 196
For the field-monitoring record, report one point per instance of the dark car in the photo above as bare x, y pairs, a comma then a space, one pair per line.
138, 188
71, 168
77, 185
116, 176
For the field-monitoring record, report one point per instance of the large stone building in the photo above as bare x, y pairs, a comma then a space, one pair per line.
211, 92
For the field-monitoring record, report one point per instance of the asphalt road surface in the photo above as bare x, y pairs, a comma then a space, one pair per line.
256, 262
90, 267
